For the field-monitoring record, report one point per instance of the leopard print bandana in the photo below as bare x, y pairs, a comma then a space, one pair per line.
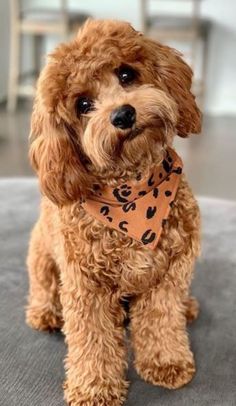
139, 208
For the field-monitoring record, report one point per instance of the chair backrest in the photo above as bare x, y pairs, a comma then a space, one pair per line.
19, 6
194, 14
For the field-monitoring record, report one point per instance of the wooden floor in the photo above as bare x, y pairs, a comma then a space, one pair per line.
209, 158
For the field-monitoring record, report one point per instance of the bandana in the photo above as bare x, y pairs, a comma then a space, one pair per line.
139, 208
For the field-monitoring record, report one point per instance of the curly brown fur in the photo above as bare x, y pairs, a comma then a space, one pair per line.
80, 269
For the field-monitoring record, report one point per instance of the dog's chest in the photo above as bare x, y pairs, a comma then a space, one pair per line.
109, 258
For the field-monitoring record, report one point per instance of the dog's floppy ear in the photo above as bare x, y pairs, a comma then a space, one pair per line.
56, 157
175, 76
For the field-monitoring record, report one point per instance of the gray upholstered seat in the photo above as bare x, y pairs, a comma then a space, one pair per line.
31, 363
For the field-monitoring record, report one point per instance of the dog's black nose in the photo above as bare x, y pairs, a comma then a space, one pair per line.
123, 117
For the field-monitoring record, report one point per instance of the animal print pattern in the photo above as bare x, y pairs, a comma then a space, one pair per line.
140, 208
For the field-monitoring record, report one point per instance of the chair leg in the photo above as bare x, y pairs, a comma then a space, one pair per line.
14, 69
205, 51
38, 46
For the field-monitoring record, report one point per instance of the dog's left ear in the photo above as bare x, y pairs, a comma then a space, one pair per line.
175, 76
54, 150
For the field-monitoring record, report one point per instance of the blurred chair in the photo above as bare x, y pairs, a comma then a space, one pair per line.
188, 28
37, 23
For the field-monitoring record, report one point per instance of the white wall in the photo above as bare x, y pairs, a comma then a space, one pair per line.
221, 93
221, 97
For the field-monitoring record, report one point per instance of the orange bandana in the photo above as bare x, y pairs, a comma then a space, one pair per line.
139, 209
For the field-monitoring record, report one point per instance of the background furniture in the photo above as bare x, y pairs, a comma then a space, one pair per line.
33, 362
188, 28
36, 23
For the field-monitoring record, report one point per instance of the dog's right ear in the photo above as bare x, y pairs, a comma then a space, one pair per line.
56, 158
174, 75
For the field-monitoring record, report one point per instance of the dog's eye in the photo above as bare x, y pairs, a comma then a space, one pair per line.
84, 105
126, 75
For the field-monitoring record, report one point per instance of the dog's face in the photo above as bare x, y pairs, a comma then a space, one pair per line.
105, 101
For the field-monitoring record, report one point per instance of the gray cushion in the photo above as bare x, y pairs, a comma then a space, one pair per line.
31, 363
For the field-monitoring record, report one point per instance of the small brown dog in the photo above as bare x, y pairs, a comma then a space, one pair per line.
107, 108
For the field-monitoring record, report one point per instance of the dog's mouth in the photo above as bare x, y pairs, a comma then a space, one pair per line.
134, 133
137, 130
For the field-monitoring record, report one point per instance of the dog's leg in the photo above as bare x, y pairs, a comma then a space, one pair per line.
44, 308
160, 339
95, 364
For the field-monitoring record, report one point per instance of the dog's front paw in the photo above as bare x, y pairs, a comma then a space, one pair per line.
192, 309
107, 396
171, 376
43, 319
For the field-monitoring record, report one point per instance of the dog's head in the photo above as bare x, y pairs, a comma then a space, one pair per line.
106, 100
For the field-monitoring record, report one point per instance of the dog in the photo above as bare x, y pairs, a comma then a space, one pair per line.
107, 107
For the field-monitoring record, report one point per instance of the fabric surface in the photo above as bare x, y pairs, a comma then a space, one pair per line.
139, 209
31, 363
